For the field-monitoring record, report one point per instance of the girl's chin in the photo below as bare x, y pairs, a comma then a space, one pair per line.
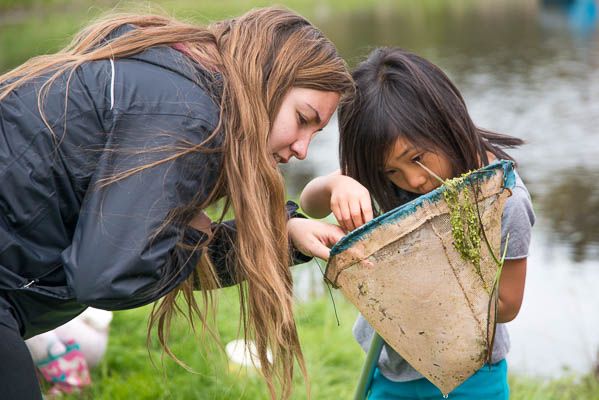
275, 160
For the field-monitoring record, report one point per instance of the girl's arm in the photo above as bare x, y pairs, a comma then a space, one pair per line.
511, 289
345, 197
309, 238
315, 199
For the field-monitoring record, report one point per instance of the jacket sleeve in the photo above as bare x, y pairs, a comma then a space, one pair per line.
123, 254
221, 248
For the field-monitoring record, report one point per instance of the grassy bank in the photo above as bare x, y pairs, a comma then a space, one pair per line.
33, 27
38, 27
573, 388
334, 361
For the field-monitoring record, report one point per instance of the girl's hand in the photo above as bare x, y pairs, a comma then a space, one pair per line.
313, 238
350, 202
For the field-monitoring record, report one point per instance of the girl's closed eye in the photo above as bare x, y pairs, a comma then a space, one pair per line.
302, 119
418, 158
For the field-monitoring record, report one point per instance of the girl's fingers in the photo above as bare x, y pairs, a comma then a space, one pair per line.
347, 217
317, 249
332, 234
337, 214
313, 238
340, 219
356, 214
352, 211
366, 206
326, 238
337, 209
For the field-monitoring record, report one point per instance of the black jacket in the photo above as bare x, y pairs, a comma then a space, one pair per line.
66, 241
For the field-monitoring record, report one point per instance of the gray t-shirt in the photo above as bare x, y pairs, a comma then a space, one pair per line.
518, 219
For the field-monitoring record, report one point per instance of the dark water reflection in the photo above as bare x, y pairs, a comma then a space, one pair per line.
526, 68
572, 207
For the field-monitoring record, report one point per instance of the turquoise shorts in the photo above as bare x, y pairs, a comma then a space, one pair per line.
488, 383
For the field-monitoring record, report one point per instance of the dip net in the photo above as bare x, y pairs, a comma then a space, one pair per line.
425, 275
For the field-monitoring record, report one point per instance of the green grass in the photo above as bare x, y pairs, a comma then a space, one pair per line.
569, 388
333, 358
33, 27
36, 27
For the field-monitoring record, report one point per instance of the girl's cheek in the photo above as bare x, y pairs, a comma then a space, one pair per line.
399, 183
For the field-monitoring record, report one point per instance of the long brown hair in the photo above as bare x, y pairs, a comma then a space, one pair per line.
401, 95
260, 55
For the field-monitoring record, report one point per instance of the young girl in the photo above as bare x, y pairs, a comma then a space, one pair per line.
408, 117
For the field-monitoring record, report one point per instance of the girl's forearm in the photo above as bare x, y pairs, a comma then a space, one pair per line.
506, 312
315, 199
511, 289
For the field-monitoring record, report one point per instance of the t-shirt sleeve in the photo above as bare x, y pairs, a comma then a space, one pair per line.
517, 221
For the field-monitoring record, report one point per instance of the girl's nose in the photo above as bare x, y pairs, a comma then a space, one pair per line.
300, 148
416, 180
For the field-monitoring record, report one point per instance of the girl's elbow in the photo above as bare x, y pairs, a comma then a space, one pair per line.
508, 317
304, 203
309, 207
509, 313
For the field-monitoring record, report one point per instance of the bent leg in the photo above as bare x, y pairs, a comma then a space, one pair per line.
17, 372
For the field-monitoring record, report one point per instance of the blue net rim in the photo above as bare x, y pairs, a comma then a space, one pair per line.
399, 213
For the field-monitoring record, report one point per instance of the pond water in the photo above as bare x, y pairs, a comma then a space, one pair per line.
529, 69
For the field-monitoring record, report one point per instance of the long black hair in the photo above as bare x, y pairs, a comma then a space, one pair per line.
402, 95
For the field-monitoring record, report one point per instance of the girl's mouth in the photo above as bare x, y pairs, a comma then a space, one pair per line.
278, 159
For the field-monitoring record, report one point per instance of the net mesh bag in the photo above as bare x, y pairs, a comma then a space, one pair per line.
407, 274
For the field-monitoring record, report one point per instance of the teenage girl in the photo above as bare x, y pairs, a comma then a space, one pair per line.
406, 118
112, 148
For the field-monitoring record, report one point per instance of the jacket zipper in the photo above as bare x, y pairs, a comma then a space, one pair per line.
37, 279
28, 284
